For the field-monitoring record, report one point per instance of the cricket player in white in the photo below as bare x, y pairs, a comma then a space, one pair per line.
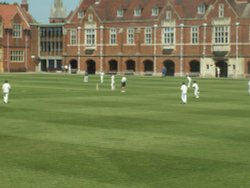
196, 89
189, 81
6, 88
123, 83
112, 82
101, 76
249, 87
184, 93
86, 76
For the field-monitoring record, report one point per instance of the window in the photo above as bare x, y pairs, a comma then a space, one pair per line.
148, 35
1, 29
168, 35
113, 36
221, 34
90, 17
168, 14
17, 31
120, 13
90, 35
221, 10
42, 46
16, 56
201, 9
80, 14
155, 11
130, 36
73, 38
137, 12
194, 35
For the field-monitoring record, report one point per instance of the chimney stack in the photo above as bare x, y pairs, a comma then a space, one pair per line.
25, 5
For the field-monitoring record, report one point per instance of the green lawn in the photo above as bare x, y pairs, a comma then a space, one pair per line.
58, 132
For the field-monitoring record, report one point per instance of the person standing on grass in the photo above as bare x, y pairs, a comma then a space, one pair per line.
218, 72
196, 89
123, 83
249, 87
86, 76
6, 88
101, 76
112, 82
189, 81
184, 93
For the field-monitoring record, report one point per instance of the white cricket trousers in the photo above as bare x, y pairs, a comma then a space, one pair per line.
184, 98
5, 97
196, 93
112, 86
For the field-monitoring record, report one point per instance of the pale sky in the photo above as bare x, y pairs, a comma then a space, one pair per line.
40, 9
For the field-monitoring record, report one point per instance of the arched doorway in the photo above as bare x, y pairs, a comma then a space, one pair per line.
223, 68
194, 67
170, 66
91, 67
130, 66
73, 65
113, 66
148, 66
248, 68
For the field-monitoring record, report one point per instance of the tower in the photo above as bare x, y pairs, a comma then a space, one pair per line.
58, 12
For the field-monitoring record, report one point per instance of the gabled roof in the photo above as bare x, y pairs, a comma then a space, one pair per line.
109, 13
185, 9
9, 12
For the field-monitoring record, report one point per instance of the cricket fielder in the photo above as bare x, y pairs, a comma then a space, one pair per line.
184, 93
112, 82
6, 88
196, 89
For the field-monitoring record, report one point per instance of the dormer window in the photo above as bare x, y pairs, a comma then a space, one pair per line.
221, 10
17, 31
201, 9
90, 17
168, 14
80, 14
137, 12
120, 12
155, 11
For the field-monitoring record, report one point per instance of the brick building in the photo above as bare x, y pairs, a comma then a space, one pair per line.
17, 38
143, 36
138, 37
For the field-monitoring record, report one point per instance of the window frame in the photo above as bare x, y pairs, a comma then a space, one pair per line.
17, 56
120, 13
155, 11
194, 35
201, 9
17, 30
73, 36
90, 36
168, 35
137, 12
221, 34
221, 10
112, 36
131, 36
168, 14
148, 35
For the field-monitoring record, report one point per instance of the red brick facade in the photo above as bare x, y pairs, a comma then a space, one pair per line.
222, 27
17, 39
138, 37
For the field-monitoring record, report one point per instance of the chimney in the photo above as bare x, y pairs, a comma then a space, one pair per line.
25, 5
